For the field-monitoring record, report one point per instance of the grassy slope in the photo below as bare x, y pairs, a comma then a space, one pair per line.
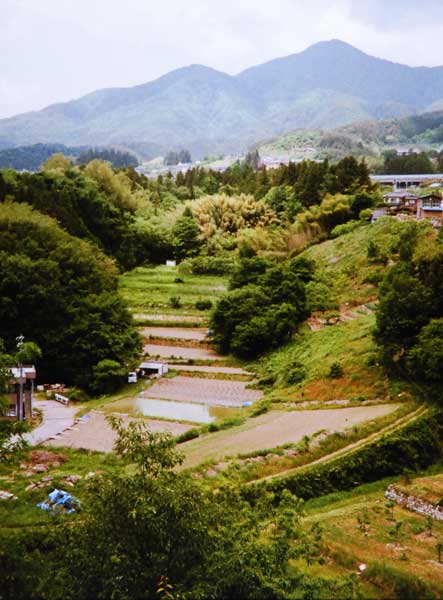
411, 551
343, 265
148, 291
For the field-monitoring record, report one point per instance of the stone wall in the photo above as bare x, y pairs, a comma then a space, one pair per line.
414, 503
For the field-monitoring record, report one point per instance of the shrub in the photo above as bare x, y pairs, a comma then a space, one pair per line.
190, 434
175, 301
345, 228
295, 374
319, 297
336, 370
78, 395
203, 304
374, 277
210, 265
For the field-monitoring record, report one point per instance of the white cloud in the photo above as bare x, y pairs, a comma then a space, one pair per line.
53, 50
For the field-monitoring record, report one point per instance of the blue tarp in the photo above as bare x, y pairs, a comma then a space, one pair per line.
60, 501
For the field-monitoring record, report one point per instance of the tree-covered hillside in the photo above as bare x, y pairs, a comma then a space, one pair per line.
364, 138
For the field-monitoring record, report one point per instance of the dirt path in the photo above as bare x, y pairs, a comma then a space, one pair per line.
56, 418
180, 333
213, 392
181, 352
277, 428
96, 433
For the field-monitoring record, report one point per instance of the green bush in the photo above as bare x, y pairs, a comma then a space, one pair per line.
210, 265
175, 301
77, 395
319, 297
295, 374
345, 228
190, 434
336, 370
203, 305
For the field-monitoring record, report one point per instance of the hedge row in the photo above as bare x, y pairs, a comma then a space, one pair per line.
415, 447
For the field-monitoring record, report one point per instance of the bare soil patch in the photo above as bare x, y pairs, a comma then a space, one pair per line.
181, 352
216, 369
97, 434
179, 333
46, 457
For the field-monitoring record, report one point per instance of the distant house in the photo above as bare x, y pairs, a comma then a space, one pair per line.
401, 200
430, 207
20, 377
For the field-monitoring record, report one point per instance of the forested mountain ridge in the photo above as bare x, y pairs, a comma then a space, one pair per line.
327, 85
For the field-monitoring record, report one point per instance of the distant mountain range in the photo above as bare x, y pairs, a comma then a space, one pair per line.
196, 107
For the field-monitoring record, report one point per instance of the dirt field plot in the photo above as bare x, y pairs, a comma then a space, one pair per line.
215, 392
277, 428
180, 352
96, 433
180, 333
204, 369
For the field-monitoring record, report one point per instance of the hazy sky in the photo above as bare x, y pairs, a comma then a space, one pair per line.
56, 50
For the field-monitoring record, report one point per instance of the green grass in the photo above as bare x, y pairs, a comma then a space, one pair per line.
344, 262
392, 558
23, 511
149, 289
349, 343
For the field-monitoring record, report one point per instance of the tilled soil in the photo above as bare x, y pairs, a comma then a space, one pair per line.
179, 333
181, 352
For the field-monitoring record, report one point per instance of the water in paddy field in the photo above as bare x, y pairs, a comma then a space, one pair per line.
165, 409
177, 411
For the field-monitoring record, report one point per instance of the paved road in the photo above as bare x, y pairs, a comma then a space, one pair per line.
56, 418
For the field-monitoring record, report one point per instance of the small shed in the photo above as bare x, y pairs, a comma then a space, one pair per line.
153, 369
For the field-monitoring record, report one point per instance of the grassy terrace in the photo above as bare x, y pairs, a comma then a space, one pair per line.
395, 544
148, 291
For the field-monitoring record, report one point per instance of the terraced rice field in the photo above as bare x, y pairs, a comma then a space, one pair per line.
277, 428
214, 392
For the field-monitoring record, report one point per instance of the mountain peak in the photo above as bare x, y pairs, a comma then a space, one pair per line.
330, 83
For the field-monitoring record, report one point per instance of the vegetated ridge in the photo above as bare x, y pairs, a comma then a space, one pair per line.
363, 138
327, 85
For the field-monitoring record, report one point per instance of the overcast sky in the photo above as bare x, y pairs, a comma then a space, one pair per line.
56, 50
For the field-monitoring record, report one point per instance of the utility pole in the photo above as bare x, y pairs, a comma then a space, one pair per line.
20, 339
